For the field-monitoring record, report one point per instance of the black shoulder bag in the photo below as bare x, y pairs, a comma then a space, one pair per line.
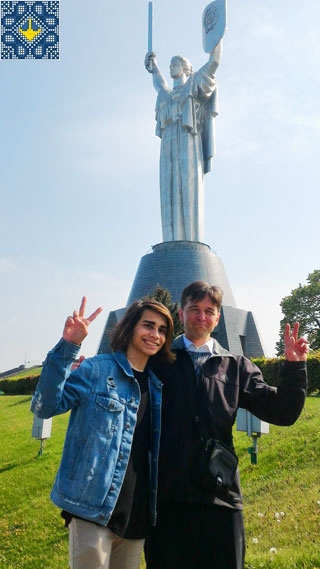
215, 466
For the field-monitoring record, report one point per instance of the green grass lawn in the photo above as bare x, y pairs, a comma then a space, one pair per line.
281, 493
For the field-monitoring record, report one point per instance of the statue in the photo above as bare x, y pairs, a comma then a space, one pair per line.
184, 116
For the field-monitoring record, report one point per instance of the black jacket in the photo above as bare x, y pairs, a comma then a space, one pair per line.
227, 382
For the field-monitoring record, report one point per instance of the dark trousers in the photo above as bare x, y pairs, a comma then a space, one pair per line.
196, 536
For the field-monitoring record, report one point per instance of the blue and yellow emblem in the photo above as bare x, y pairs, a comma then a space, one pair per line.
29, 29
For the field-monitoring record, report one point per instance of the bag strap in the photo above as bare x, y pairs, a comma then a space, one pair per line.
192, 392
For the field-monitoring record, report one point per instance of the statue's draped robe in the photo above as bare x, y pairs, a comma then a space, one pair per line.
185, 124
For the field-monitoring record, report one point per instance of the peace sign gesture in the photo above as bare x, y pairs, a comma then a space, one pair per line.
295, 348
76, 326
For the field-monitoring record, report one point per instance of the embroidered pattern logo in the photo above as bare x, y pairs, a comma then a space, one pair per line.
29, 29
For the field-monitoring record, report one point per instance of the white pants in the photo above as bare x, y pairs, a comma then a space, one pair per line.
95, 547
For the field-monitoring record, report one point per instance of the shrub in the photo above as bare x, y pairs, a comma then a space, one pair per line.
23, 386
271, 367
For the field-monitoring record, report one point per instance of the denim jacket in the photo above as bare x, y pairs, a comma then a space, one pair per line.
103, 397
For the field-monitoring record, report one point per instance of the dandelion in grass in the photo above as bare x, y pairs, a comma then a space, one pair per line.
255, 540
260, 515
273, 550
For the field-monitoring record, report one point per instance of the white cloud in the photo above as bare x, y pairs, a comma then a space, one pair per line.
7, 266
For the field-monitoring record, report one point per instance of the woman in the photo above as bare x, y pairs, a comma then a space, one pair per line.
106, 484
184, 116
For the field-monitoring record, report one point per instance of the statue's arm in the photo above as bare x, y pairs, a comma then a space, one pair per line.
214, 58
151, 66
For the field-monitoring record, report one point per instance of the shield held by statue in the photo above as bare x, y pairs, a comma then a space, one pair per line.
214, 23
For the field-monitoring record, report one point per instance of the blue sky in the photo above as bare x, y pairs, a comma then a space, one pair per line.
79, 163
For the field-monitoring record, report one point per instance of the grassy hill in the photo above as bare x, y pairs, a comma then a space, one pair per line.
26, 372
281, 493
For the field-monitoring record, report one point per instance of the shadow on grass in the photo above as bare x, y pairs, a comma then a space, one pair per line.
13, 465
25, 400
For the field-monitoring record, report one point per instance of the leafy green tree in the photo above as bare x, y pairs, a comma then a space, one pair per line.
163, 295
303, 306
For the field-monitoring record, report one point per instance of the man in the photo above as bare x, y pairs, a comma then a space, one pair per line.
203, 388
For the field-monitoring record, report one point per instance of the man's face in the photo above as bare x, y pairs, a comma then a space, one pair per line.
199, 319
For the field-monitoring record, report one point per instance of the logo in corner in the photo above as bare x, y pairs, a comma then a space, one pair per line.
30, 29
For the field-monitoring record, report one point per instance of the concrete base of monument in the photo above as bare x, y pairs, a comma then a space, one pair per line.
175, 264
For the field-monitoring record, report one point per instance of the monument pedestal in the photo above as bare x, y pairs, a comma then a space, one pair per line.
175, 264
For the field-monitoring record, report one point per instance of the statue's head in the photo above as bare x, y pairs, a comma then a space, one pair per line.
180, 64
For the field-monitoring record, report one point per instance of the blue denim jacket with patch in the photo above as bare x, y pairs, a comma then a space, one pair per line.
103, 397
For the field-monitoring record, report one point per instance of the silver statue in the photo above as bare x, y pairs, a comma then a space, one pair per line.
185, 124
